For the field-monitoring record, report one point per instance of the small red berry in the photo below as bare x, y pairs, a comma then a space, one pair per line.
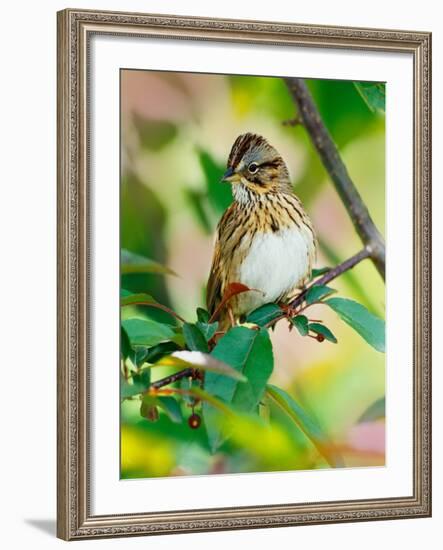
194, 421
320, 338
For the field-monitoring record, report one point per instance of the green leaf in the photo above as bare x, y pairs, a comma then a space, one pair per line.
258, 364
219, 194
208, 329
154, 353
138, 383
264, 314
373, 94
134, 263
194, 338
370, 327
343, 112
301, 322
376, 411
125, 345
198, 204
139, 356
319, 271
249, 352
143, 299
307, 424
142, 377
167, 403
211, 400
324, 331
317, 292
134, 299
146, 332
198, 360
130, 388
124, 293
202, 315
191, 390
171, 408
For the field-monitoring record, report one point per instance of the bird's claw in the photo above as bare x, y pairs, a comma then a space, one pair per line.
289, 310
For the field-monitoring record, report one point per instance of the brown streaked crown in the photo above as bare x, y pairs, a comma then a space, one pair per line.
258, 166
243, 144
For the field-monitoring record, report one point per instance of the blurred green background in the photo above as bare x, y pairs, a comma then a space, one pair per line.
176, 133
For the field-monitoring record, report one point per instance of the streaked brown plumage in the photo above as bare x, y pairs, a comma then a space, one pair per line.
265, 239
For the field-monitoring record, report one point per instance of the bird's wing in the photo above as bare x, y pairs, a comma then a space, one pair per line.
214, 286
217, 276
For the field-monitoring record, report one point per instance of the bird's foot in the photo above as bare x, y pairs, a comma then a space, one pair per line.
290, 312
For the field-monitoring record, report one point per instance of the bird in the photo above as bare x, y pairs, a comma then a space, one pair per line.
264, 240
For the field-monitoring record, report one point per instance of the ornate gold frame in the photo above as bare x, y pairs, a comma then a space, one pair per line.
75, 28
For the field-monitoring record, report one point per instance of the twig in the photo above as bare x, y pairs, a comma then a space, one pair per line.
185, 373
296, 121
298, 300
357, 210
334, 272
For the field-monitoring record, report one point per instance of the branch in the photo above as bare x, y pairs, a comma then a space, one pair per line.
185, 373
298, 300
333, 273
336, 169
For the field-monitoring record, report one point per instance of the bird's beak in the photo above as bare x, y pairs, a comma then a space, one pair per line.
230, 176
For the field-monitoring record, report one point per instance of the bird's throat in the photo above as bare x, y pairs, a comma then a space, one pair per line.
243, 195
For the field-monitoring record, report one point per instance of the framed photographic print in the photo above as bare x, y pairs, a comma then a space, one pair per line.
243, 274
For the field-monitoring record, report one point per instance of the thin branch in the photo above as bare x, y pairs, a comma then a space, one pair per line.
298, 300
333, 273
320, 137
296, 121
185, 373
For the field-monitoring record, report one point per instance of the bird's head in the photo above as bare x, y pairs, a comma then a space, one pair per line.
256, 167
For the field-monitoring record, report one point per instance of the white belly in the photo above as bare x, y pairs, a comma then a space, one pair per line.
275, 264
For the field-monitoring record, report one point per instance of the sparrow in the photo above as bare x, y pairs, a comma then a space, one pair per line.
264, 239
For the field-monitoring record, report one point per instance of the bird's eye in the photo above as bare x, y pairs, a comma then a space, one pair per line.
253, 167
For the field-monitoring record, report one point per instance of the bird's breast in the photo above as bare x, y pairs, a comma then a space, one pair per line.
274, 264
